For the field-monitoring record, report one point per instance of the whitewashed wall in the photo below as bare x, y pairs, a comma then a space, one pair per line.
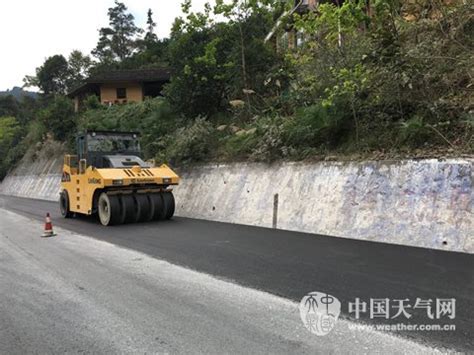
427, 203
39, 179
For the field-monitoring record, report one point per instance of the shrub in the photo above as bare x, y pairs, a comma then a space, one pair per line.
91, 102
9, 135
239, 146
270, 145
414, 131
36, 133
315, 126
159, 122
193, 142
153, 118
59, 118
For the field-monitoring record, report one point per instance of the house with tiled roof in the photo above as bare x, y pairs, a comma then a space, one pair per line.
122, 86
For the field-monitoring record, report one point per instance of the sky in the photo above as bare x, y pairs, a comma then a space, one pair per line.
32, 30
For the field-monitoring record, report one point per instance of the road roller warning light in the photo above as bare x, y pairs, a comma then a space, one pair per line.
107, 177
48, 227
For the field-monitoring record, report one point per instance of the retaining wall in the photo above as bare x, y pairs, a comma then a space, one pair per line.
427, 203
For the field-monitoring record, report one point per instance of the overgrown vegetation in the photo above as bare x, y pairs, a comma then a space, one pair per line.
392, 80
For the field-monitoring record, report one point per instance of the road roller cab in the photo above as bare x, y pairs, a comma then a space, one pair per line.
108, 177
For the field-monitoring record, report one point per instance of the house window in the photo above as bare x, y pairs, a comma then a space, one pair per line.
121, 93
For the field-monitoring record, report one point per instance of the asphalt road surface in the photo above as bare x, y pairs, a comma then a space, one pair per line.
290, 264
73, 294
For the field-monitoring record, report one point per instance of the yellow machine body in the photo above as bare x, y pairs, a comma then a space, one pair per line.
108, 177
84, 184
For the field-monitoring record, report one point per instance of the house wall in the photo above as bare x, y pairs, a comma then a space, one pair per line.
108, 92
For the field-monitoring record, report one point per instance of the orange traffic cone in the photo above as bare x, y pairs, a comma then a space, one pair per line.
48, 227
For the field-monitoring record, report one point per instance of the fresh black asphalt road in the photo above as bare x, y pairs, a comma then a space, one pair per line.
291, 264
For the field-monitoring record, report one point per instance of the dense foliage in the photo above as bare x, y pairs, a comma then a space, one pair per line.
17, 130
395, 79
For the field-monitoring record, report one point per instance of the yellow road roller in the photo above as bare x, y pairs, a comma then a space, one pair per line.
108, 177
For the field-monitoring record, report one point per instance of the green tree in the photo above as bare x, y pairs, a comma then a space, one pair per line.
238, 13
151, 50
150, 36
152, 55
118, 41
215, 63
198, 87
51, 77
23, 110
10, 132
79, 66
9, 106
58, 118
9, 128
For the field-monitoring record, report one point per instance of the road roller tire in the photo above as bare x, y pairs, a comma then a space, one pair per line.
143, 208
151, 210
129, 209
64, 204
110, 212
168, 199
158, 207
